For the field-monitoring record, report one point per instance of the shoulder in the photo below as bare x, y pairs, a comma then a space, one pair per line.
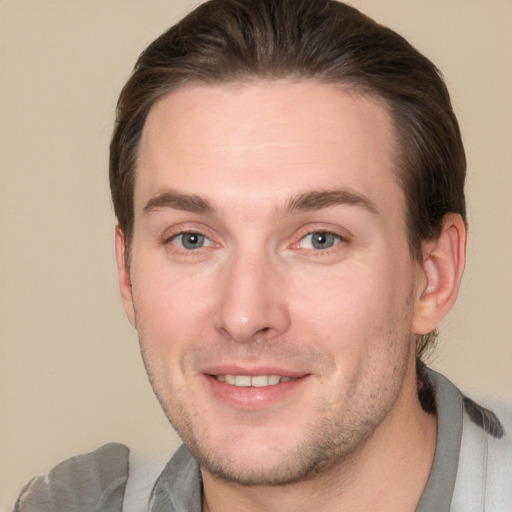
474, 437
93, 481
113, 479
484, 480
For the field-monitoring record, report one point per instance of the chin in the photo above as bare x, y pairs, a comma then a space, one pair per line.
260, 459
253, 471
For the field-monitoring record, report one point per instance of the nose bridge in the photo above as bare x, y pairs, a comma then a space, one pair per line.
252, 301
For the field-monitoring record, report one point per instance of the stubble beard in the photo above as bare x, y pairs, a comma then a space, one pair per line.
335, 436
331, 442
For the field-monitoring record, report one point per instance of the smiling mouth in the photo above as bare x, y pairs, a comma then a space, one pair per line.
256, 381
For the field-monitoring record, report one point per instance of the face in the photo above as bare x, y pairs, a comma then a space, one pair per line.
271, 279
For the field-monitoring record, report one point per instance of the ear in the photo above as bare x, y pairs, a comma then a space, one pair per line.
440, 274
125, 285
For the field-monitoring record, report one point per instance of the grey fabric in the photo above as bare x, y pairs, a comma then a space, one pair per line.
438, 492
87, 483
484, 418
97, 481
484, 475
179, 487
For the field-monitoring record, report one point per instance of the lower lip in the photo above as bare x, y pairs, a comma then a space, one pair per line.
254, 397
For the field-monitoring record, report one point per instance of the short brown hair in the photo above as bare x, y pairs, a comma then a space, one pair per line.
235, 40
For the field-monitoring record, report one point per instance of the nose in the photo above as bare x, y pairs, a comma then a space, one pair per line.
252, 303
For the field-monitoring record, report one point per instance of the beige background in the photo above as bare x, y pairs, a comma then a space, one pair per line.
71, 376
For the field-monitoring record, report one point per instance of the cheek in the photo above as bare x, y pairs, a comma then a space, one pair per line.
172, 307
334, 298
171, 320
352, 308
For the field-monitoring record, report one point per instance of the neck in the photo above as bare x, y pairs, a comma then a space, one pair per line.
388, 472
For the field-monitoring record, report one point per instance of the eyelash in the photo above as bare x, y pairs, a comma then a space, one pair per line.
167, 240
322, 252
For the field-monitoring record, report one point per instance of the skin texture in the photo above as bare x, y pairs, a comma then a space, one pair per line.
255, 175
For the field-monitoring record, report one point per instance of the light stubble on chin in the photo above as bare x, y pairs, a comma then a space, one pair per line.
330, 443
334, 435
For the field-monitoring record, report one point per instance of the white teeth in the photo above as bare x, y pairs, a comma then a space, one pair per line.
243, 381
258, 381
274, 379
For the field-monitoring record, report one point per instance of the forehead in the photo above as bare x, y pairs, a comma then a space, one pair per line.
265, 139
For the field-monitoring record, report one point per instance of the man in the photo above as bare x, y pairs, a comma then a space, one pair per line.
288, 181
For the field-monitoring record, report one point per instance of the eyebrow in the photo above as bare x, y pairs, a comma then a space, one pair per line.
308, 201
178, 201
317, 200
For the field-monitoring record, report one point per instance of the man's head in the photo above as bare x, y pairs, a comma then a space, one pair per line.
226, 41
285, 187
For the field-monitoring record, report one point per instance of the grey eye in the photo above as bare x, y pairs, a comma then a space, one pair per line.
322, 240
191, 240
319, 240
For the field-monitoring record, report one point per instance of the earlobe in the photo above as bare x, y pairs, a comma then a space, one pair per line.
125, 285
441, 273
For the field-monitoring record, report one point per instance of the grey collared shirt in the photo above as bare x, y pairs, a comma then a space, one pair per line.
97, 481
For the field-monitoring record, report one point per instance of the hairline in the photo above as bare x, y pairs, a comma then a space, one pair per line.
344, 85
